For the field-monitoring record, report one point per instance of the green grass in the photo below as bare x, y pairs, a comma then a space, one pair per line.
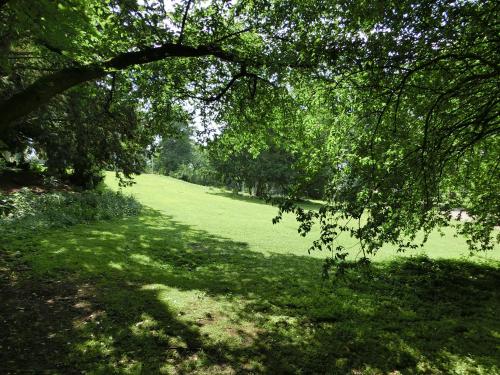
245, 219
204, 283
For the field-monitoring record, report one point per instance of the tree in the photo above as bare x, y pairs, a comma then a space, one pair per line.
83, 134
417, 130
198, 170
106, 37
268, 171
175, 151
411, 88
178, 155
271, 163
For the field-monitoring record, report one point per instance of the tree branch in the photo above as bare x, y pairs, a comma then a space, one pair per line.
45, 88
224, 90
183, 24
230, 35
50, 47
109, 99
243, 73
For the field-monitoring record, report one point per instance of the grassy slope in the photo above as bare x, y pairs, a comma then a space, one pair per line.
245, 219
206, 284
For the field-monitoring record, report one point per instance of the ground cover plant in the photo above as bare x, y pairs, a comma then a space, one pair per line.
197, 285
26, 210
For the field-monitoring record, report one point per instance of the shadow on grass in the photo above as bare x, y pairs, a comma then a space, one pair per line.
151, 295
309, 205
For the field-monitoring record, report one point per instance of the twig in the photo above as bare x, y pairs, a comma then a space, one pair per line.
183, 24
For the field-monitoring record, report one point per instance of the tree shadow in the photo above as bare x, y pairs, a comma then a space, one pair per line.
151, 295
306, 204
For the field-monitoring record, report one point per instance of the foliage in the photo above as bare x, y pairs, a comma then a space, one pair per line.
198, 170
26, 210
91, 129
276, 148
270, 171
173, 153
181, 157
92, 135
3, 164
96, 126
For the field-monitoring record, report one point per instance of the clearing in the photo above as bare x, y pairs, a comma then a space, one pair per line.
202, 282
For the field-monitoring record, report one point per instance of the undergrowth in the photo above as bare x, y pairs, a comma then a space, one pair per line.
26, 210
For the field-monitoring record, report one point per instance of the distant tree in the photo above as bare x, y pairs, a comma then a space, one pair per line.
199, 169
181, 157
173, 152
259, 174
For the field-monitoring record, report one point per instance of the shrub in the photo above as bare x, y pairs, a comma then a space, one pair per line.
31, 211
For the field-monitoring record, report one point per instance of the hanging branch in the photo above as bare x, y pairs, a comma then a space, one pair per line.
45, 88
223, 91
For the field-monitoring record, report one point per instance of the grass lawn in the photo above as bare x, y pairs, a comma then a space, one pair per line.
202, 282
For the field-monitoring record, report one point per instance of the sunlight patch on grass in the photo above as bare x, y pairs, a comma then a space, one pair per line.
462, 365
214, 317
116, 265
60, 251
141, 259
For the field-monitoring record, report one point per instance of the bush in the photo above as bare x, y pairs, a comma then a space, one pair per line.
32, 211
